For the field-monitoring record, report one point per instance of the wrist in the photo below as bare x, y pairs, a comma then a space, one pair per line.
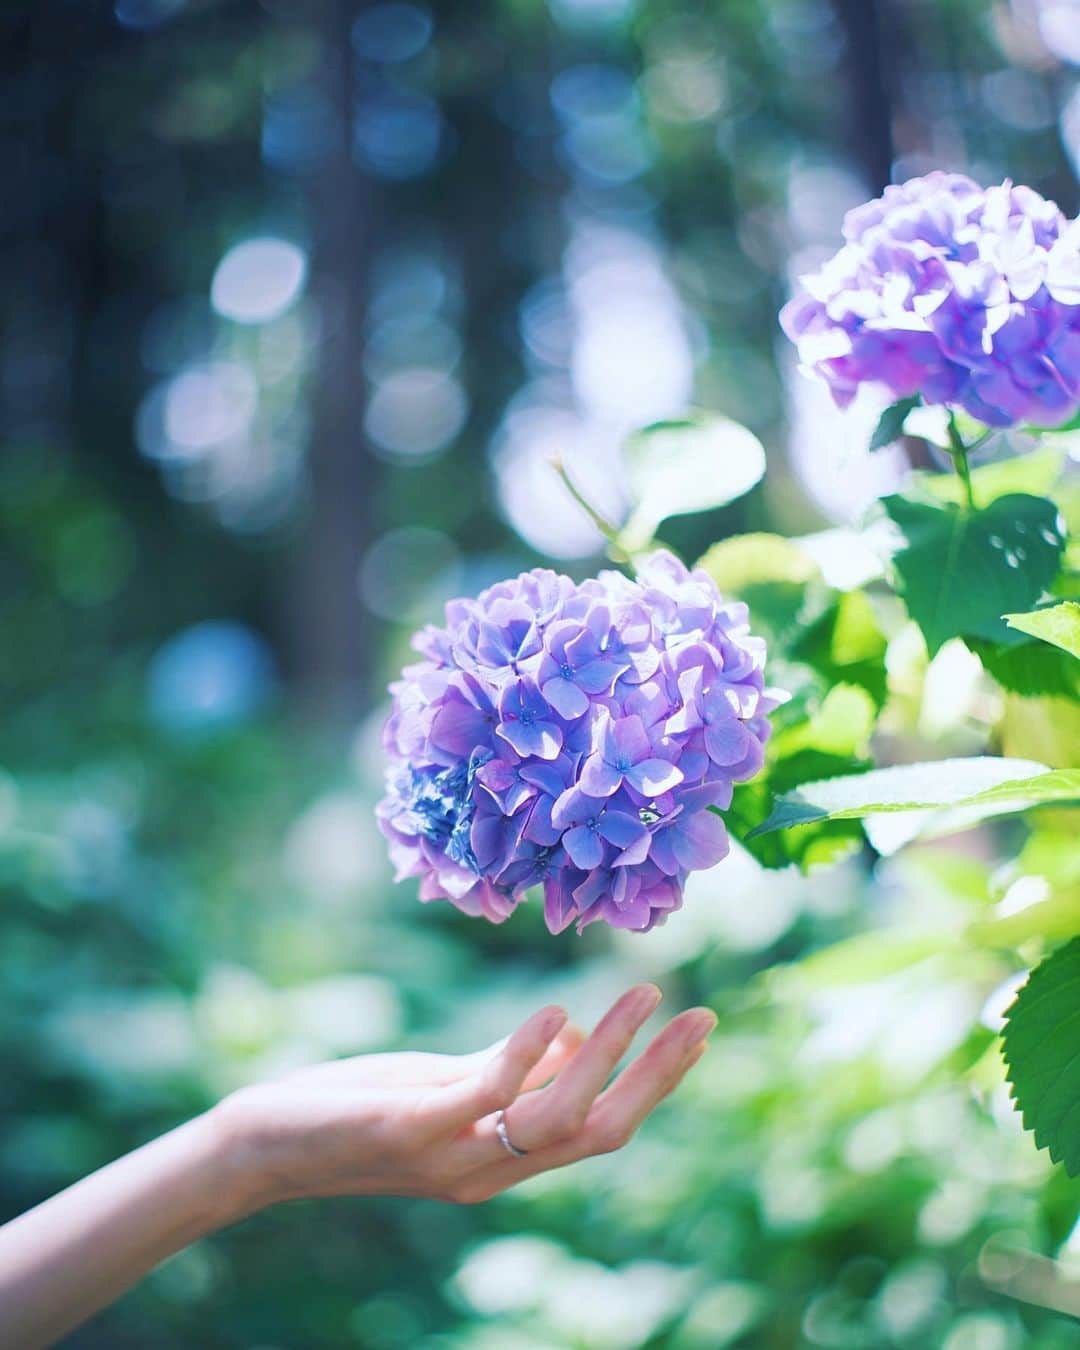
234, 1160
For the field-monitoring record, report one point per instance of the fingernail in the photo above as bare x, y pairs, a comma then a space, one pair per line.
553, 1022
646, 998
698, 1026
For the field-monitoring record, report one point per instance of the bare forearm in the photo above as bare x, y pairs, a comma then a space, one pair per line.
399, 1124
75, 1253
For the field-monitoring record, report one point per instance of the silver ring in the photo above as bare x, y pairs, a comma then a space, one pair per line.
504, 1138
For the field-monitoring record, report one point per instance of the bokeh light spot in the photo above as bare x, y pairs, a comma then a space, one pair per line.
146, 14
216, 674
397, 134
391, 33
415, 413
409, 573
258, 279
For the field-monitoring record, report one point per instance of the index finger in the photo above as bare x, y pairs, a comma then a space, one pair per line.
499, 1080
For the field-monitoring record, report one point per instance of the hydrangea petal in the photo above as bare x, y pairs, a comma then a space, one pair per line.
559, 735
929, 274
653, 776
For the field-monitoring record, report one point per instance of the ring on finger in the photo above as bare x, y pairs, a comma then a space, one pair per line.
504, 1137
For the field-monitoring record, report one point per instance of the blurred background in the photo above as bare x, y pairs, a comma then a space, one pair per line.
297, 300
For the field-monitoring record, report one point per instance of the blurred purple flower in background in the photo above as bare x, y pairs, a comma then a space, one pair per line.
965, 296
574, 738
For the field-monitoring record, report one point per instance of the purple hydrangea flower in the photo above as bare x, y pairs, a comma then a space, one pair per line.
969, 297
574, 738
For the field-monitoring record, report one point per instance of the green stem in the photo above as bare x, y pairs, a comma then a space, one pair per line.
609, 531
959, 452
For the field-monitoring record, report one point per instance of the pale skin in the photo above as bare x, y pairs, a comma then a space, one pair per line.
395, 1124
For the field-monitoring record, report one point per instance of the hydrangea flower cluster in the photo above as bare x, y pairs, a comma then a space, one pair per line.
572, 737
968, 297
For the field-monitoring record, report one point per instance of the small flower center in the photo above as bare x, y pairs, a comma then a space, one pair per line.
566, 670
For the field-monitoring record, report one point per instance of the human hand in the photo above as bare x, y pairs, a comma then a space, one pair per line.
423, 1124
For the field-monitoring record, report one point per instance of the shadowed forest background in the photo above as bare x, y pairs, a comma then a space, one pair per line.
297, 301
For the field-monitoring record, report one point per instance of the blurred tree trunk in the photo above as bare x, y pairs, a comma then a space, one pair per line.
870, 84
325, 635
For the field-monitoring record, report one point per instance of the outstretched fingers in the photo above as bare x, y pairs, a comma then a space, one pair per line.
560, 1110
642, 1085
499, 1079
616, 1113
558, 1054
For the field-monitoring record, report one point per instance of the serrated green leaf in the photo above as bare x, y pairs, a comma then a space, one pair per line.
890, 425
695, 464
959, 571
1056, 624
980, 786
1041, 1040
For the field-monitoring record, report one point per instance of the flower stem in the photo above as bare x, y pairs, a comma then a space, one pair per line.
959, 452
609, 531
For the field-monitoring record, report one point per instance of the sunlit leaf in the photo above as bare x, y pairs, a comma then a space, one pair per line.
983, 785
1057, 624
1040, 1048
845, 644
1054, 918
1046, 729
750, 559
959, 571
695, 464
857, 960
1035, 473
842, 725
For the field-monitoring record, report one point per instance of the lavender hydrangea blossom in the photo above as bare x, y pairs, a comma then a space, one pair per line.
573, 738
965, 296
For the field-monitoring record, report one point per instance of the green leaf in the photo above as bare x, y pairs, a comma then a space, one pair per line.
959, 571
890, 425
1035, 473
1040, 1048
1057, 624
1029, 668
856, 960
842, 725
695, 464
845, 644
987, 784
752, 559
1055, 918
822, 843
1051, 853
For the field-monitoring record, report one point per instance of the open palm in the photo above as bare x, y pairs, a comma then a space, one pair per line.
425, 1124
